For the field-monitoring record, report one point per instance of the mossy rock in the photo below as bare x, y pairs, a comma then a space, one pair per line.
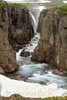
1, 6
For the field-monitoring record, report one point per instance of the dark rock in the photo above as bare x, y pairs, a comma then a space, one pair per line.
20, 26
52, 47
1, 71
37, 57
25, 53
56, 72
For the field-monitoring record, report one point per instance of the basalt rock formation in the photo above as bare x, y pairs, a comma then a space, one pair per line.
52, 47
20, 26
16, 29
7, 55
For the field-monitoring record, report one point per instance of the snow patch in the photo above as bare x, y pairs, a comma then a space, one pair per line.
32, 90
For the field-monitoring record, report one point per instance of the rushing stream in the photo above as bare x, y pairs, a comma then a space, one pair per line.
37, 80
38, 72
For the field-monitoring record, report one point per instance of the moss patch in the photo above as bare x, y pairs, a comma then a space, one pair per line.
63, 9
16, 4
44, 11
1, 6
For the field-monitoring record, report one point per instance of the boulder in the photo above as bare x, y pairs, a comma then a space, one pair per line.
52, 47
1, 71
25, 53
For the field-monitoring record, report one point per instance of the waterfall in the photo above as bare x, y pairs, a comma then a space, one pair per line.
34, 22
36, 18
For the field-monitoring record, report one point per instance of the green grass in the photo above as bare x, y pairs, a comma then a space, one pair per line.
63, 9
19, 5
1, 6
49, 98
55, 98
44, 11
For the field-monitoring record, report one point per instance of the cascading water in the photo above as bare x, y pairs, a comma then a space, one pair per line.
37, 73
34, 22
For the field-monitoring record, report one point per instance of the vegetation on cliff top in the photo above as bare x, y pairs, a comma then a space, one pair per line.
63, 9
1, 6
49, 98
17, 4
17, 97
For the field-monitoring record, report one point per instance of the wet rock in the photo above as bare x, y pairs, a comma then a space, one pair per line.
37, 57
56, 72
7, 55
52, 47
20, 26
25, 53
1, 71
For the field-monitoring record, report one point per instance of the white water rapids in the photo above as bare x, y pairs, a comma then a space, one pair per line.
36, 73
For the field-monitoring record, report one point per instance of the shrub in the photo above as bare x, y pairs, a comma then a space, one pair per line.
63, 9
1, 6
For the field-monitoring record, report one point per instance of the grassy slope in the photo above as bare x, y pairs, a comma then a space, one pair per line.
1, 6
22, 98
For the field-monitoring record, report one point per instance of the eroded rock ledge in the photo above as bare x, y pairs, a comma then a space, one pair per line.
52, 47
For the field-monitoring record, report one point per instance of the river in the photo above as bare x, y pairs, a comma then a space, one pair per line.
38, 72
39, 75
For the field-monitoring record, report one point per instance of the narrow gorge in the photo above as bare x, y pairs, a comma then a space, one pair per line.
33, 50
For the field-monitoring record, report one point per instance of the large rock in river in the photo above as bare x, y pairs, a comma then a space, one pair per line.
52, 47
7, 55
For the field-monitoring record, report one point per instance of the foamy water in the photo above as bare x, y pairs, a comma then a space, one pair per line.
32, 90
65, 1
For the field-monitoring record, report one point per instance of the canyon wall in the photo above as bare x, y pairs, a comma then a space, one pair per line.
52, 47
15, 30
7, 55
20, 26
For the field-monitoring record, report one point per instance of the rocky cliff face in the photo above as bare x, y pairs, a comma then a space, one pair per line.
16, 30
52, 48
20, 26
7, 56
